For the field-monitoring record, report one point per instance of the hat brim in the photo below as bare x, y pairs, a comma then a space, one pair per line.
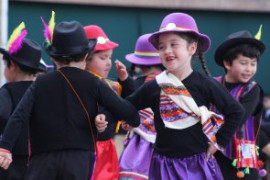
142, 60
204, 40
108, 45
226, 45
21, 62
88, 48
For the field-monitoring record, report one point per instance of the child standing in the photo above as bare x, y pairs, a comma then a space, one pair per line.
21, 59
239, 55
180, 98
141, 143
61, 107
99, 63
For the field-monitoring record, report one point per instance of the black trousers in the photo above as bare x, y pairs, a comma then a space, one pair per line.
229, 171
16, 170
61, 165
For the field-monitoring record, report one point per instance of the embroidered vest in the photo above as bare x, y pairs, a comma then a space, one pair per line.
242, 148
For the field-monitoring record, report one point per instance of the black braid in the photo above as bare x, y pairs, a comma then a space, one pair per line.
203, 63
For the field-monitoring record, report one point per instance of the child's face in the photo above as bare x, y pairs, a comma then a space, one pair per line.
241, 70
175, 52
100, 63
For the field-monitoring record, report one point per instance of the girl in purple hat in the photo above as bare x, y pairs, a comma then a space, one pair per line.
188, 134
146, 57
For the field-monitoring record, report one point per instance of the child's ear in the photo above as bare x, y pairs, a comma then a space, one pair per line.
193, 48
13, 66
226, 64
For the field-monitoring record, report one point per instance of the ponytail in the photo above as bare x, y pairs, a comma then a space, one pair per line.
203, 63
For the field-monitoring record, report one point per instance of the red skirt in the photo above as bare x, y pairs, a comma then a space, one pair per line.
107, 165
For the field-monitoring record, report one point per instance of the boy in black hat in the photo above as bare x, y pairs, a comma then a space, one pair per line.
239, 55
61, 107
21, 66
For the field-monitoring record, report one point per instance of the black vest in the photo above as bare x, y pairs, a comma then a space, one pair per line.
16, 91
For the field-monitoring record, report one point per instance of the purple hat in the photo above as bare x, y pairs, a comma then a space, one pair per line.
144, 53
180, 22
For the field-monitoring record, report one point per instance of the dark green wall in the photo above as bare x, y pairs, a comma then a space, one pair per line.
124, 25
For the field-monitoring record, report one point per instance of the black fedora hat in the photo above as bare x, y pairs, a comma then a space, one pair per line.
234, 39
28, 55
69, 39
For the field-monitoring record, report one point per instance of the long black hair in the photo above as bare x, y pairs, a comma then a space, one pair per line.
190, 38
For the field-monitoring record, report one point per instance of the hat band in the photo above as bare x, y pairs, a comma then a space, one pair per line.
176, 28
145, 53
72, 50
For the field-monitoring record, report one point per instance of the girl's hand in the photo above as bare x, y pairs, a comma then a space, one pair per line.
125, 126
210, 151
121, 70
100, 122
5, 158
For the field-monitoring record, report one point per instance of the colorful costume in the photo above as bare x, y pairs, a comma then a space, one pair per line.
242, 150
141, 143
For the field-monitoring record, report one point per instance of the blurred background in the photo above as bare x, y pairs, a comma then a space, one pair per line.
125, 20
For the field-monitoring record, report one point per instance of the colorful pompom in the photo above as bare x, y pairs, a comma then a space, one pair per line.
240, 174
234, 162
262, 172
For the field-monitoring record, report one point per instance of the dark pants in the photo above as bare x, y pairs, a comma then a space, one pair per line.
229, 171
61, 165
16, 170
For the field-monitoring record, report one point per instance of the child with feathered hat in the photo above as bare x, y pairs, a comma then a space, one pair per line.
22, 63
61, 107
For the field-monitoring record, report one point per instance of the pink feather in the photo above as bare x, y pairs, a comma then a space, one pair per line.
47, 32
16, 45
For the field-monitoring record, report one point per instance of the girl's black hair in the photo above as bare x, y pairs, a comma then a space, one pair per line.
190, 38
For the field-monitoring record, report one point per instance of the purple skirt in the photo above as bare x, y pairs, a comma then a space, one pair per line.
195, 167
135, 159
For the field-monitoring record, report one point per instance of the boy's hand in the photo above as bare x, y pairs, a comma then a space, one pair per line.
210, 151
100, 122
121, 70
125, 126
5, 158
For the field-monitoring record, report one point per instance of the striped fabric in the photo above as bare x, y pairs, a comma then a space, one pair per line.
147, 128
243, 146
179, 110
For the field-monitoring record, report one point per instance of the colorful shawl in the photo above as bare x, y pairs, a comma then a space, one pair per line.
179, 110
